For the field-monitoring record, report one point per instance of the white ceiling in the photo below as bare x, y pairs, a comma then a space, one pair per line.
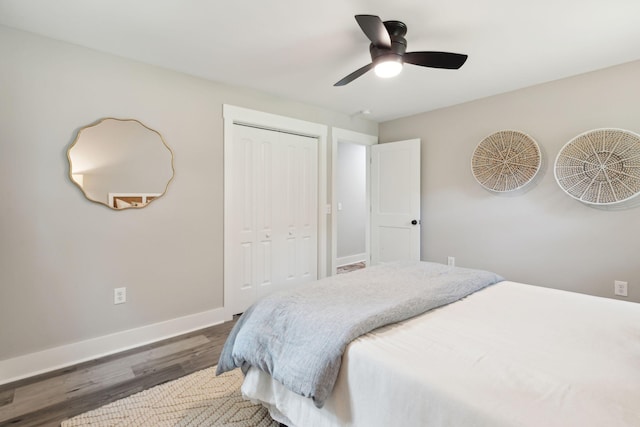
298, 49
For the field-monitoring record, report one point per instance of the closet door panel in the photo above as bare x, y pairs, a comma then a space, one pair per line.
243, 220
307, 211
262, 169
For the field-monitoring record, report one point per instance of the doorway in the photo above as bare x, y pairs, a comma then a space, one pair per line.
350, 197
351, 204
392, 198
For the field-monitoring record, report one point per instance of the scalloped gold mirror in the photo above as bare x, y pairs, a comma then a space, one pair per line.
120, 163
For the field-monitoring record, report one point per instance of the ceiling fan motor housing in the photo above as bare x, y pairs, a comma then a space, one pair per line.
397, 30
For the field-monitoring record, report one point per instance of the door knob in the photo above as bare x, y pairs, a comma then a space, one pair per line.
414, 222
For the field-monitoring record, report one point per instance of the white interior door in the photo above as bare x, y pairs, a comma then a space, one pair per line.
272, 214
395, 201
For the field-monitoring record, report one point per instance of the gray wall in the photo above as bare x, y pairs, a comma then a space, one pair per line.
539, 236
61, 255
351, 189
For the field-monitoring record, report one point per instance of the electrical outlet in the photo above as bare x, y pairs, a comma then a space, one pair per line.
119, 295
620, 288
451, 261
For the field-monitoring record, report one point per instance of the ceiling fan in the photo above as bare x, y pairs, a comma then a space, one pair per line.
388, 50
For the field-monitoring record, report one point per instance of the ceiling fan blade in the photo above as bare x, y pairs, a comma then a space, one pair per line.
451, 61
375, 30
351, 77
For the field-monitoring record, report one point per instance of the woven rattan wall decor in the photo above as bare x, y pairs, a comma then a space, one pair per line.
506, 161
600, 167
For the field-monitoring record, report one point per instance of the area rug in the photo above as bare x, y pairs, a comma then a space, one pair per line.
199, 399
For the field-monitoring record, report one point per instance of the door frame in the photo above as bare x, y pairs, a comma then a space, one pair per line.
343, 135
244, 116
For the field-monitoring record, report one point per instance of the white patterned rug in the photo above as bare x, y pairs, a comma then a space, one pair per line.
199, 399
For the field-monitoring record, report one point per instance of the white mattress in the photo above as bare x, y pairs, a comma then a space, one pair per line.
509, 355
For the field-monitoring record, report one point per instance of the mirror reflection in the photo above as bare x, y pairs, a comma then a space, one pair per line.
120, 163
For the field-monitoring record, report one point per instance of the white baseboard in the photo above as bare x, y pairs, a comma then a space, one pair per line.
351, 259
59, 357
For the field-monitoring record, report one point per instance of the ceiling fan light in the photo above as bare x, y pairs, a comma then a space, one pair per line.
388, 68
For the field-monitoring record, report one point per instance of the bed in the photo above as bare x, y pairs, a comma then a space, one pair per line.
508, 354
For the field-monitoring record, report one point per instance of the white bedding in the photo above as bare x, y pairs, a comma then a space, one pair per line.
509, 355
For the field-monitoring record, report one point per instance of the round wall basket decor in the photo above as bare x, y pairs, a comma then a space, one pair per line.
600, 167
506, 161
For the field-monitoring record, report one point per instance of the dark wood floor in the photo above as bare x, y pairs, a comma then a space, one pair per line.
351, 267
48, 399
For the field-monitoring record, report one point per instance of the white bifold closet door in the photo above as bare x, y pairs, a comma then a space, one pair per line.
274, 213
